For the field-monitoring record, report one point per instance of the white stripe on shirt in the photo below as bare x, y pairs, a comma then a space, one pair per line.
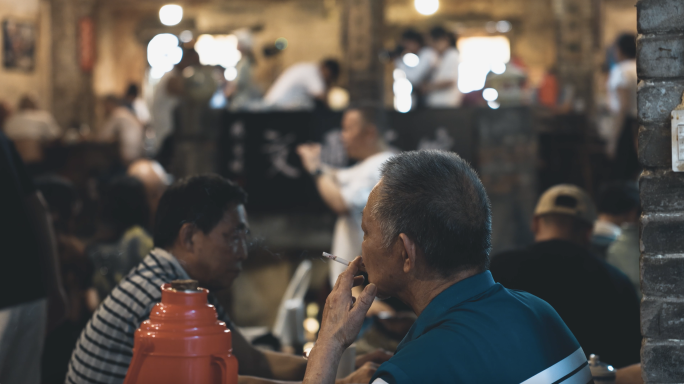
562, 369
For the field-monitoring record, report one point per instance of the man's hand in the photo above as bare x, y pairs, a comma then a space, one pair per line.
342, 320
310, 155
378, 356
363, 375
343, 314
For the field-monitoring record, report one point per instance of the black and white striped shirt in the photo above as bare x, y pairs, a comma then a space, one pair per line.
105, 348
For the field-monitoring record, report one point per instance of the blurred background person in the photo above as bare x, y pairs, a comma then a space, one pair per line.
122, 239
303, 86
166, 97
622, 87
441, 89
32, 299
77, 272
31, 129
417, 60
155, 180
596, 301
243, 92
137, 104
123, 127
618, 208
345, 191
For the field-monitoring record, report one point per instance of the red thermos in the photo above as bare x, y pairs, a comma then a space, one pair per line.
183, 342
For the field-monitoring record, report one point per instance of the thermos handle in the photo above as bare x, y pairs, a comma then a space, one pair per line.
225, 363
145, 346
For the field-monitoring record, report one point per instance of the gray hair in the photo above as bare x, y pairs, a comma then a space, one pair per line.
436, 199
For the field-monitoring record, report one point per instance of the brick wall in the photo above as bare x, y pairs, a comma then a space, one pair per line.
660, 66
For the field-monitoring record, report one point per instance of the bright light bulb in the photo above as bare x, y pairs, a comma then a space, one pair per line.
490, 94
186, 36
411, 60
218, 50
472, 76
157, 73
312, 311
402, 87
171, 14
163, 52
311, 325
338, 100
498, 68
402, 103
426, 7
398, 74
503, 26
230, 73
493, 104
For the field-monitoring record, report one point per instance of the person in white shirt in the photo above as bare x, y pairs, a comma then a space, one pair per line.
622, 88
30, 129
122, 127
137, 104
416, 72
441, 90
167, 95
346, 190
301, 85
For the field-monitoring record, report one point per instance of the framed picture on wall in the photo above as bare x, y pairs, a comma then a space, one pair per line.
18, 45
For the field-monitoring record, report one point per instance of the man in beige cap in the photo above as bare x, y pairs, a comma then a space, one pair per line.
595, 299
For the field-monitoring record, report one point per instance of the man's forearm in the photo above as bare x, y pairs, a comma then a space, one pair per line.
285, 366
330, 193
258, 380
323, 363
266, 364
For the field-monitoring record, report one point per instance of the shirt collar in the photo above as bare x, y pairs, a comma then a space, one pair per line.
171, 259
451, 297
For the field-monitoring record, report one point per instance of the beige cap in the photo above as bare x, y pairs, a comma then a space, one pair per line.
567, 199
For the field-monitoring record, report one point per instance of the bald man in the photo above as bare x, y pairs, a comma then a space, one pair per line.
154, 178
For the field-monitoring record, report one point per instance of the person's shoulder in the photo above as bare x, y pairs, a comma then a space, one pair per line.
506, 258
378, 159
510, 254
148, 276
428, 52
532, 302
452, 54
302, 69
617, 277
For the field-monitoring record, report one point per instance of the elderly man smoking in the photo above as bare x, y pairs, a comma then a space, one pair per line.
427, 228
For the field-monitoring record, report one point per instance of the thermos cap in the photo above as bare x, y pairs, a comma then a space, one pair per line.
188, 286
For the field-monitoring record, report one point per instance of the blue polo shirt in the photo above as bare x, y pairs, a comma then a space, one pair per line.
477, 331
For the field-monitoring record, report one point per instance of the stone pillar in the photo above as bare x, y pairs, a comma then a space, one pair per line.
362, 27
577, 38
72, 90
660, 49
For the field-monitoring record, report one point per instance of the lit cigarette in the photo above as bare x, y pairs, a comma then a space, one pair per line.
335, 258
340, 260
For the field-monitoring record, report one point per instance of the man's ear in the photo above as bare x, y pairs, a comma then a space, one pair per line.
535, 224
185, 235
409, 252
